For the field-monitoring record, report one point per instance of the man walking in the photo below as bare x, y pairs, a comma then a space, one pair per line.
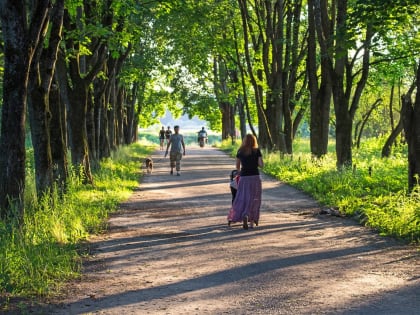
176, 142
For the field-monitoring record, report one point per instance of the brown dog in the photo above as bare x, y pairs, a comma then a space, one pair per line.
149, 165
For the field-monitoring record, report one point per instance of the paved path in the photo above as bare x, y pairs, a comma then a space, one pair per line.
170, 251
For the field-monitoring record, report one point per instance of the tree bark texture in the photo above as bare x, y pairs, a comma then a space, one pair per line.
41, 76
364, 121
20, 43
91, 130
221, 76
295, 51
320, 92
131, 112
58, 138
112, 115
386, 149
120, 116
242, 99
411, 122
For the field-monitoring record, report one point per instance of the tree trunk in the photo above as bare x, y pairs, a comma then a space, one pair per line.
39, 118
365, 119
242, 119
264, 138
91, 130
226, 110
293, 57
112, 115
243, 108
320, 93
19, 46
120, 116
391, 111
411, 122
82, 70
232, 131
386, 149
344, 126
131, 113
101, 97
58, 139
64, 91
41, 76
221, 76
104, 141
272, 58
346, 96
78, 130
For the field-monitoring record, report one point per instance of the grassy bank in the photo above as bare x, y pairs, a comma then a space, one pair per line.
37, 258
374, 191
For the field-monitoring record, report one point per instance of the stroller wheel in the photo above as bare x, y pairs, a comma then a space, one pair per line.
229, 223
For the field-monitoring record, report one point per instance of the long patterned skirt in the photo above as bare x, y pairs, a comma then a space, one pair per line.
247, 200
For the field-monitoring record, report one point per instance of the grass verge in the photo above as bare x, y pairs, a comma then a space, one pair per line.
40, 256
374, 191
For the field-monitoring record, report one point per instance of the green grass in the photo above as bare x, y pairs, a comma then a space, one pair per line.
37, 258
379, 200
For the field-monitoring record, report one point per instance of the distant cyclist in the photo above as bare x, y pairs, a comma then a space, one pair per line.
202, 134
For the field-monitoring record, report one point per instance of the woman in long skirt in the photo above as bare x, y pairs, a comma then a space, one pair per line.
246, 205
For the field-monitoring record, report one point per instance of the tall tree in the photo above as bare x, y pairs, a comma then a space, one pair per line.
41, 76
344, 69
274, 48
411, 123
319, 80
81, 71
222, 91
294, 75
254, 66
22, 29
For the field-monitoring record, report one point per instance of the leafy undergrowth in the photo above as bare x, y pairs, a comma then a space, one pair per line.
46, 251
374, 190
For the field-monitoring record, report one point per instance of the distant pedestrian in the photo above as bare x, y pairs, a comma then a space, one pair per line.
247, 202
162, 137
168, 134
176, 142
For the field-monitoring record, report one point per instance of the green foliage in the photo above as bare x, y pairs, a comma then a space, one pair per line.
37, 258
230, 147
374, 191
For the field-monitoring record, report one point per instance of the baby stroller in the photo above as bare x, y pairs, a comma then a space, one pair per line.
234, 179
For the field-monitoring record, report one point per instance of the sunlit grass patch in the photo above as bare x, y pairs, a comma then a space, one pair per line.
373, 190
37, 257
